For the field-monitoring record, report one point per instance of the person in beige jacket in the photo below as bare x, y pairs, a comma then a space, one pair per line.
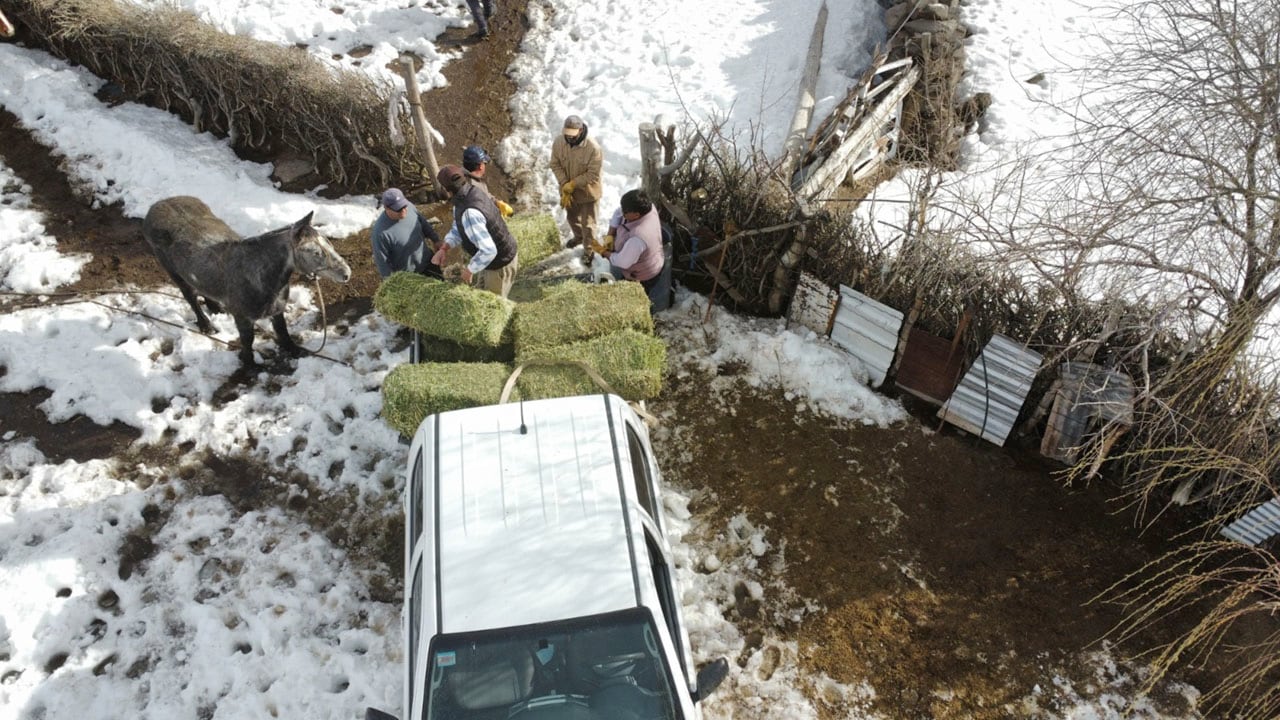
576, 161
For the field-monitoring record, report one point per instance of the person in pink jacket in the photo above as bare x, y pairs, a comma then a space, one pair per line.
633, 245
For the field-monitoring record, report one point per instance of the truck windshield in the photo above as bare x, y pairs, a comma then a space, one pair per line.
603, 666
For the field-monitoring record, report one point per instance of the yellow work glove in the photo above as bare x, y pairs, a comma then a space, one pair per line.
566, 194
597, 248
506, 210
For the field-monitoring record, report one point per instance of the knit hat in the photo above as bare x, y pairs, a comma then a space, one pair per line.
450, 178
473, 157
395, 200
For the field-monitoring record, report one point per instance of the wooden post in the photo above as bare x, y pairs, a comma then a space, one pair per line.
650, 160
795, 145
904, 332
808, 95
422, 129
786, 263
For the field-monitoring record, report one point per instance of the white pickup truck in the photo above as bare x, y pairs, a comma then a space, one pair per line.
539, 583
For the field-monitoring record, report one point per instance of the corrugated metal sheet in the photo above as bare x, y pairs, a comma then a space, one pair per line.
1257, 525
990, 395
1105, 393
813, 304
1087, 391
868, 330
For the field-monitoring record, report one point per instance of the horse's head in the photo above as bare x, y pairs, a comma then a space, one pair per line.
313, 256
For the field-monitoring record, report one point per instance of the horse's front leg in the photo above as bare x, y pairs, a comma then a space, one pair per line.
245, 326
189, 293
283, 339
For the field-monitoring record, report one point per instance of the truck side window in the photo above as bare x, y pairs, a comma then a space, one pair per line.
415, 502
640, 471
666, 593
415, 620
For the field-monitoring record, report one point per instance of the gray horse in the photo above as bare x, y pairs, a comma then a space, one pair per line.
249, 277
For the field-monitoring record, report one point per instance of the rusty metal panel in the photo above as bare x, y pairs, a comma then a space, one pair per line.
813, 305
1257, 525
990, 395
868, 330
930, 366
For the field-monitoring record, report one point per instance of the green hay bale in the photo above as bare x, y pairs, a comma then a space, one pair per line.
574, 311
537, 238
412, 392
445, 310
630, 361
441, 350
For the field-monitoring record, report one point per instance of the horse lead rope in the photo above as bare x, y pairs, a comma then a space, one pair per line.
324, 323
74, 297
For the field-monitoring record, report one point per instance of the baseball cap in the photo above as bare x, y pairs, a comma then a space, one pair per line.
573, 126
450, 178
393, 199
473, 157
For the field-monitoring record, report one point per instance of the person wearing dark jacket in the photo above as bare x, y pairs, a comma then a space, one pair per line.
478, 228
402, 238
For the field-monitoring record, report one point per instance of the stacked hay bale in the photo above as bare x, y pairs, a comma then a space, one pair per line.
471, 324
605, 327
537, 238
567, 343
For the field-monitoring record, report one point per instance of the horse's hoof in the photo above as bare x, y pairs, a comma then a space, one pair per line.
293, 350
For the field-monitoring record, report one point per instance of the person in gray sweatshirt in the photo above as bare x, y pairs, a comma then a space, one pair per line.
402, 238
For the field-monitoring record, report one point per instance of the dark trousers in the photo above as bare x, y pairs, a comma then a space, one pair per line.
658, 287
481, 11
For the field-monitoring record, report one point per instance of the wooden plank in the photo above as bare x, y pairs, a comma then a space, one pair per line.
823, 182
808, 94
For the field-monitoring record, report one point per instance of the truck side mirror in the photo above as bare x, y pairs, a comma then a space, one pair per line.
709, 678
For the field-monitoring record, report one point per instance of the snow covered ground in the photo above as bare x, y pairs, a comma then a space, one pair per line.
255, 614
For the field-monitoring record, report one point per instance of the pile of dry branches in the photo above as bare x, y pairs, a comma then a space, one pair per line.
264, 97
740, 217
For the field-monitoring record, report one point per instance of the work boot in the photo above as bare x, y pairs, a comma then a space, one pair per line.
573, 243
480, 35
